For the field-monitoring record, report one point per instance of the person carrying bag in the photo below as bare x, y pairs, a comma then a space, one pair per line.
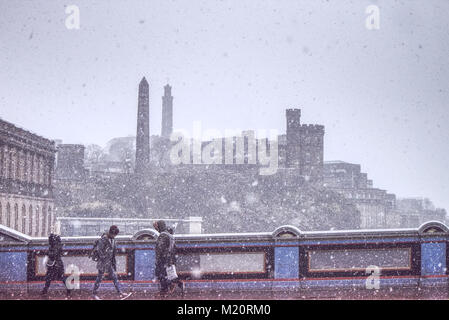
165, 268
54, 264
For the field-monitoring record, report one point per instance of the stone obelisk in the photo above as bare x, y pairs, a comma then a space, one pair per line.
143, 129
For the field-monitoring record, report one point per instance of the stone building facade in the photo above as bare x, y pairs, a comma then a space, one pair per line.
415, 211
70, 162
377, 207
300, 150
26, 173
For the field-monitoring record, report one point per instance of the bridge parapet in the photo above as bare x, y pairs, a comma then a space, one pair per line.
285, 259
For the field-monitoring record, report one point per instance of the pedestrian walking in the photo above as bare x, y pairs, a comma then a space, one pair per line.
162, 256
55, 265
172, 261
104, 252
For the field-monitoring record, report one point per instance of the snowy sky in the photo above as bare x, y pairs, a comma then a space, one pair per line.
381, 94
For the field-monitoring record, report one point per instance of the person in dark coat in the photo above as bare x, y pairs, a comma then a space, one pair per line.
162, 256
172, 260
55, 266
106, 263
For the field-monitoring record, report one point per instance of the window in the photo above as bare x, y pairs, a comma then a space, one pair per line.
37, 221
44, 221
18, 177
24, 218
21, 165
16, 217
12, 166
50, 220
30, 218
8, 215
6, 159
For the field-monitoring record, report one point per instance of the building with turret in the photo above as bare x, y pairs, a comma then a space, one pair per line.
167, 113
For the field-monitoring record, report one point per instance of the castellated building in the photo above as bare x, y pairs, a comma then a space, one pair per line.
304, 147
26, 173
300, 151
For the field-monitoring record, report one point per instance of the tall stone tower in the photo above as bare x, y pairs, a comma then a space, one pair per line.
293, 152
305, 147
143, 129
167, 113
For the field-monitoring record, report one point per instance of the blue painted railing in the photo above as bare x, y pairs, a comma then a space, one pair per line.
284, 260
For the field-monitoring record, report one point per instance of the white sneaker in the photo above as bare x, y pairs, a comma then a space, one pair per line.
124, 296
97, 297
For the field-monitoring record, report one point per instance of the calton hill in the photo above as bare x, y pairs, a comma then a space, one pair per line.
229, 199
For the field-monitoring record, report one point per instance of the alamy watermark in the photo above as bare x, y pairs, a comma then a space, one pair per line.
373, 280
372, 21
233, 148
72, 21
73, 280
